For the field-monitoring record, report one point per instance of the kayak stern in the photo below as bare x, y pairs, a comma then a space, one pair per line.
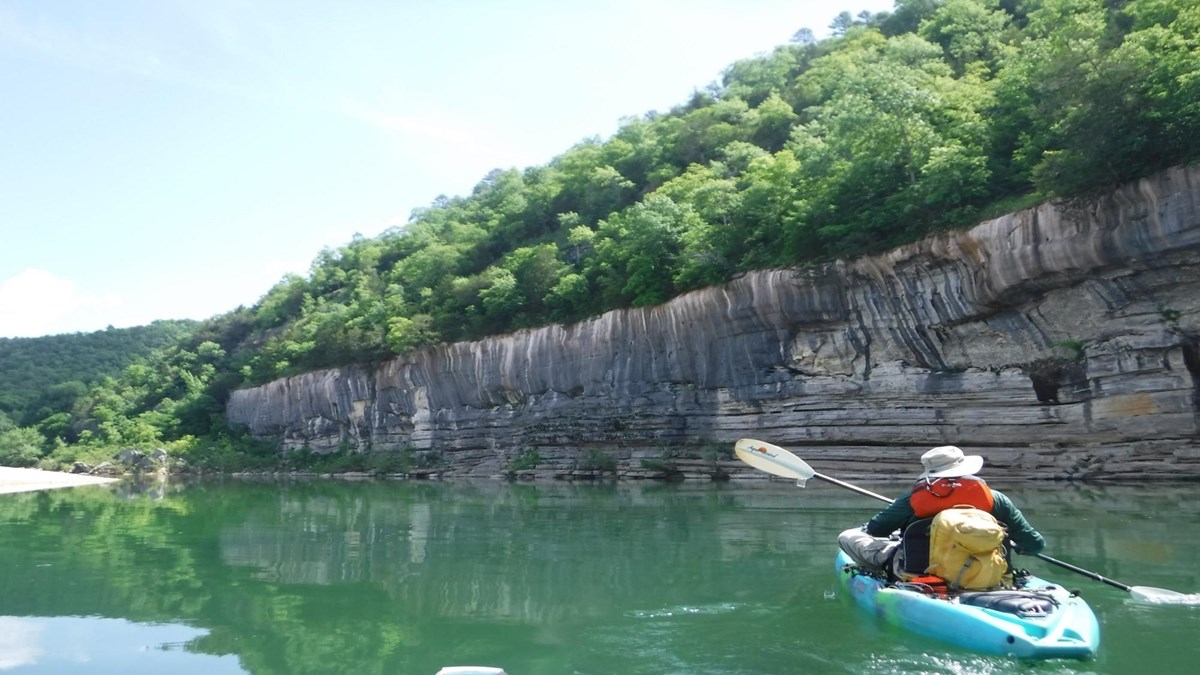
1069, 631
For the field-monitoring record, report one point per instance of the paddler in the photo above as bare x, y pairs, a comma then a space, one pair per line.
949, 480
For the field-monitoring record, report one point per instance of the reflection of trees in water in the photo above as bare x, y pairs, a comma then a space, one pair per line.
288, 576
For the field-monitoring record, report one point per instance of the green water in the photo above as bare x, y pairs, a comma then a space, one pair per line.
397, 577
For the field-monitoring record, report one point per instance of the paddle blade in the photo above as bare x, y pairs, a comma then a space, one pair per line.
1162, 596
773, 459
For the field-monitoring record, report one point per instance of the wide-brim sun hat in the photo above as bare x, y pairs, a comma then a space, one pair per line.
948, 461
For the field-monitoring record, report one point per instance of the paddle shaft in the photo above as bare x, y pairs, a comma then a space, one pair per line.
1087, 573
852, 488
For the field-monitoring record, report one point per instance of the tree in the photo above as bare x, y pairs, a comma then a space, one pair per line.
517, 289
971, 33
714, 240
895, 125
20, 446
607, 191
1086, 107
773, 123
502, 298
803, 37
841, 23
699, 135
638, 251
772, 215
427, 268
405, 333
907, 16
636, 153
753, 80
571, 298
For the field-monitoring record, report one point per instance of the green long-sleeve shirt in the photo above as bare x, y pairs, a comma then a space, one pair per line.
900, 515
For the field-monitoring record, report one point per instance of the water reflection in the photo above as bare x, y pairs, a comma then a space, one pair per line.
317, 577
87, 644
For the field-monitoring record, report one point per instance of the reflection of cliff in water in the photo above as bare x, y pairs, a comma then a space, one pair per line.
378, 576
509, 550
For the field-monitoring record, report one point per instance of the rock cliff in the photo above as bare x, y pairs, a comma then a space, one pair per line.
1058, 341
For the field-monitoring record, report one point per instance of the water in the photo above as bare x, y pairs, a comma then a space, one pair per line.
398, 577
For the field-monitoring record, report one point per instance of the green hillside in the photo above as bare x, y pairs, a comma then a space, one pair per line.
932, 116
31, 367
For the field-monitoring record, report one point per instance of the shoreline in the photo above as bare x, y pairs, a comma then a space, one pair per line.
29, 480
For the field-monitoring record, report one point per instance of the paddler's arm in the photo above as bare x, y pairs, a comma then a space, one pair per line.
1027, 539
896, 516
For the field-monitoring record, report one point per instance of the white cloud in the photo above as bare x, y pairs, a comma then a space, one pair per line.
35, 302
20, 642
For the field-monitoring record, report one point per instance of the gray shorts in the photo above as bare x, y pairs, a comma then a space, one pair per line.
869, 552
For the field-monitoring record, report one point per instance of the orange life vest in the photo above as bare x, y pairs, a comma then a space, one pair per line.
930, 497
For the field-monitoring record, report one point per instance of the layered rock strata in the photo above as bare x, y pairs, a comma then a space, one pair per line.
1059, 342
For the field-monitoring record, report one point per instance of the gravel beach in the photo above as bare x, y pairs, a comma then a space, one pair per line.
26, 480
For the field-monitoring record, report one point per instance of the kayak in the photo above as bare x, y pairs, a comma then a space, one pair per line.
1040, 620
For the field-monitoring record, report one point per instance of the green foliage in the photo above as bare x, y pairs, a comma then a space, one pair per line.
597, 460
1102, 92
226, 452
659, 465
1072, 347
31, 367
1170, 315
903, 123
971, 33
528, 459
717, 452
20, 447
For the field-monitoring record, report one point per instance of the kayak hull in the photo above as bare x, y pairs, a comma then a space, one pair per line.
1070, 631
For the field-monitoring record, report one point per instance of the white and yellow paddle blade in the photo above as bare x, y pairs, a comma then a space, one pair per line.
773, 459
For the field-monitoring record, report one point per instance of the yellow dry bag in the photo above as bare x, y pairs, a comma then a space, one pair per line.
966, 548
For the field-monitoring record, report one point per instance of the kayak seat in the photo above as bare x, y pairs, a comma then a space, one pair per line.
913, 553
1021, 603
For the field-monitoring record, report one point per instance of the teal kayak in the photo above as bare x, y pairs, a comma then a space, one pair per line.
1040, 621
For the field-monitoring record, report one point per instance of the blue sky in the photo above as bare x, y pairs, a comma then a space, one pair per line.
169, 159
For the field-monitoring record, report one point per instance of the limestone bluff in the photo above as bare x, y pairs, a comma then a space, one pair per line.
1058, 341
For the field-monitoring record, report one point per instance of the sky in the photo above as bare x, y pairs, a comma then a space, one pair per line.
174, 159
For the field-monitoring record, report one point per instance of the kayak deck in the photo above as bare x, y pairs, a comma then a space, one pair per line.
1068, 629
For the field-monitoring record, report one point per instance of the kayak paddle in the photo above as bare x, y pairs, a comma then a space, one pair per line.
1143, 593
777, 461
